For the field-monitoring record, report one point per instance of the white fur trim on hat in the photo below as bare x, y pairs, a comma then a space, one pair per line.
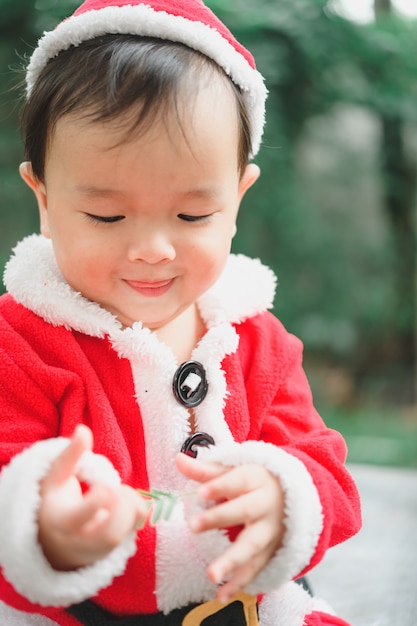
143, 20
21, 556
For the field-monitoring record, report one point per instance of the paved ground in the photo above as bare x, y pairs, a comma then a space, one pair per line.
371, 580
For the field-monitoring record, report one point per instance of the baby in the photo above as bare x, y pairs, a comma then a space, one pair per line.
138, 353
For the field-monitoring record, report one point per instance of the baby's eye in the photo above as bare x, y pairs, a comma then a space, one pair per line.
193, 218
104, 218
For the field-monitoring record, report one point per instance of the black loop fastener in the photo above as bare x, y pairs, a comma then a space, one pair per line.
197, 440
190, 384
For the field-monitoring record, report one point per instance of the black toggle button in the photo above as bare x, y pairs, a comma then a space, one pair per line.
190, 384
198, 440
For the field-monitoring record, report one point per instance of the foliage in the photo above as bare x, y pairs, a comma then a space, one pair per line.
339, 233
375, 436
161, 503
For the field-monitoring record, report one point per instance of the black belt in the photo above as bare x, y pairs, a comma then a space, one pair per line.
240, 611
90, 614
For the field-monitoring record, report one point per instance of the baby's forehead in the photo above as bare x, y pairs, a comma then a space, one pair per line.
119, 75
93, 158
208, 107
131, 84
174, 102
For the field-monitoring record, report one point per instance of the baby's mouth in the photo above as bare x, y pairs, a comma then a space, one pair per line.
151, 289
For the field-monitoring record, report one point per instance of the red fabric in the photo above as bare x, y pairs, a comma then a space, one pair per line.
278, 398
52, 378
193, 10
323, 619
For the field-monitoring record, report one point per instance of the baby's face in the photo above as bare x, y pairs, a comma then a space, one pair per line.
144, 227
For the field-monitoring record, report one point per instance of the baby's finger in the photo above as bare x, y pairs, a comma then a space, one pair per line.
65, 464
93, 510
244, 510
235, 482
241, 579
244, 559
126, 511
135, 509
198, 470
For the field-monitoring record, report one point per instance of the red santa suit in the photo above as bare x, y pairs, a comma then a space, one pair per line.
66, 361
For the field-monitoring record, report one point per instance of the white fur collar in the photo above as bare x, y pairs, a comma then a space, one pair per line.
33, 278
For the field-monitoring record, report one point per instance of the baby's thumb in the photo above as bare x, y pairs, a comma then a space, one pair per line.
65, 464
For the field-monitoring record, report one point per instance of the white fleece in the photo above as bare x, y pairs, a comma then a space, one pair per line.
291, 603
23, 562
245, 287
12, 617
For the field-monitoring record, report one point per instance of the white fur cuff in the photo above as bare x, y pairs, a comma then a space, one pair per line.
21, 557
303, 512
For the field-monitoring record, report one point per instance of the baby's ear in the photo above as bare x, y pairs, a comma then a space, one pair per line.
26, 172
39, 189
249, 177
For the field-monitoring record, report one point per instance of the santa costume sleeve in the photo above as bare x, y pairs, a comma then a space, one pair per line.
288, 437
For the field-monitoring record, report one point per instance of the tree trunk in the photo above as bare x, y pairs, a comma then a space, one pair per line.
382, 6
399, 179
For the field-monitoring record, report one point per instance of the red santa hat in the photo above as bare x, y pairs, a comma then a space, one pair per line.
186, 21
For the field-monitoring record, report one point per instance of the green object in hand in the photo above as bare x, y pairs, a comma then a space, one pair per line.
162, 503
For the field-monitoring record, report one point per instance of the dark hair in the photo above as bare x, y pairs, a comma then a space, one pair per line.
107, 76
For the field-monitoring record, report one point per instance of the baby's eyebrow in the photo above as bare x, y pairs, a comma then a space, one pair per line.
203, 193
91, 190
200, 193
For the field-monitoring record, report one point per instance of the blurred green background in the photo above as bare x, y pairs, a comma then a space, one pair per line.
334, 213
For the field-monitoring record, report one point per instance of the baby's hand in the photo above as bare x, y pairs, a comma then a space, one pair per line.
75, 528
247, 495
